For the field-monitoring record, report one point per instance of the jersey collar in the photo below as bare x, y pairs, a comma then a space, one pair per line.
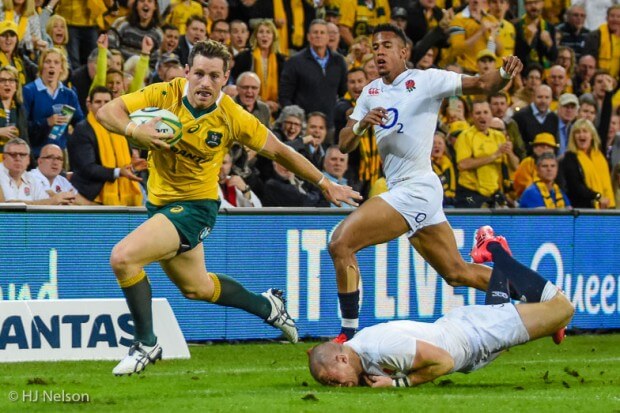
196, 113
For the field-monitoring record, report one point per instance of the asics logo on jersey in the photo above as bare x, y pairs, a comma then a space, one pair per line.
193, 129
373, 91
176, 209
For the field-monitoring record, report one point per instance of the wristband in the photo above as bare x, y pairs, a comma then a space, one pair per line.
503, 74
401, 382
127, 128
246, 190
356, 129
320, 182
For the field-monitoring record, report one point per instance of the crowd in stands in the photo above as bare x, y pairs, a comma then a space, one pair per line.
550, 139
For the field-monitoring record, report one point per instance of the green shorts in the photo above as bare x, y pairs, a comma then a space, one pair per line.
193, 220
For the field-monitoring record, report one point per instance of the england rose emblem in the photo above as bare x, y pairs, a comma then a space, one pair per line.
410, 85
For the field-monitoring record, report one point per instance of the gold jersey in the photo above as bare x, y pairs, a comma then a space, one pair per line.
189, 170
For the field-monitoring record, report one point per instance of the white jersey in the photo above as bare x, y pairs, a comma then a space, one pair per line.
29, 189
413, 100
60, 184
473, 335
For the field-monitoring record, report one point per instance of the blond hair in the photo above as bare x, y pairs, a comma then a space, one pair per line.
579, 125
275, 45
63, 62
50, 25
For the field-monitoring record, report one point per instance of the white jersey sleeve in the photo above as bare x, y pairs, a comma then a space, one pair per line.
443, 83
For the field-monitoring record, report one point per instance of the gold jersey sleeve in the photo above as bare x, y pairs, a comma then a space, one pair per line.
189, 170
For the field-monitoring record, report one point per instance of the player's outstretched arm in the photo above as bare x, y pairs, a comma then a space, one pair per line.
296, 163
493, 81
114, 116
430, 362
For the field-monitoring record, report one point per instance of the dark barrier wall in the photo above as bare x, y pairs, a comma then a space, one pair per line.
64, 254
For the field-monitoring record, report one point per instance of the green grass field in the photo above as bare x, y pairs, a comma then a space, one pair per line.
581, 375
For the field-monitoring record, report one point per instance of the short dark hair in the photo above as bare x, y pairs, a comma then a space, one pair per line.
210, 49
386, 27
98, 89
533, 66
193, 18
545, 156
499, 94
169, 27
355, 70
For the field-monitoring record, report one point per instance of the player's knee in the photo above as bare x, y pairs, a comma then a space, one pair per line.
119, 259
338, 246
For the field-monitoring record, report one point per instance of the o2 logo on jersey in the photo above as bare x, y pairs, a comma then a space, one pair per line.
392, 114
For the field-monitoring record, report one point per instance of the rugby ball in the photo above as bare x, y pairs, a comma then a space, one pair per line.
169, 123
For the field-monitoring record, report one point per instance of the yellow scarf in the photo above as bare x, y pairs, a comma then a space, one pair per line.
370, 161
269, 83
17, 63
114, 153
546, 195
280, 14
21, 26
604, 51
444, 168
596, 174
297, 39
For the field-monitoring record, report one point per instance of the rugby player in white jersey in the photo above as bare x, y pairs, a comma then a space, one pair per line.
408, 353
402, 106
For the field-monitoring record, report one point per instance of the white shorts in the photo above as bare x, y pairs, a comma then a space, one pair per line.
489, 329
419, 200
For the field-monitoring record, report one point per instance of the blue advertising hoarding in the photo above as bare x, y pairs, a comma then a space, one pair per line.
65, 255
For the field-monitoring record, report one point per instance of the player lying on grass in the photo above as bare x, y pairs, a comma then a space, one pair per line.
408, 353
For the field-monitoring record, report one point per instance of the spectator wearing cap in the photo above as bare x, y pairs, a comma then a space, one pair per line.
10, 55
537, 117
486, 61
526, 173
399, 17
248, 87
166, 61
196, 30
568, 105
544, 192
332, 14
